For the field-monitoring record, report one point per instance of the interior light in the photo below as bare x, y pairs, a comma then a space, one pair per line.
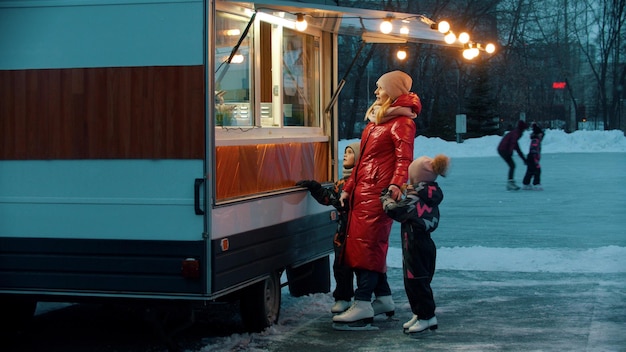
237, 59
443, 27
450, 38
233, 32
404, 30
277, 20
386, 26
464, 37
301, 23
490, 48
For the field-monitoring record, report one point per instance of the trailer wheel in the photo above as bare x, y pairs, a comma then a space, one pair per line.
17, 312
313, 277
260, 304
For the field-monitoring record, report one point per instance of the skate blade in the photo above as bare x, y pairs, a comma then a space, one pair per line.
389, 314
359, 325
419, 334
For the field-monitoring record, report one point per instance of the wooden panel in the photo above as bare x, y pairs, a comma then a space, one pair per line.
102, 113
253, 169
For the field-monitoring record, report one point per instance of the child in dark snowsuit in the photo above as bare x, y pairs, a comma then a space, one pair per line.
344, 290
533, 169
418, 214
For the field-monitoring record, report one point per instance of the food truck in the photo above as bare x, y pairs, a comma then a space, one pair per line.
149, 149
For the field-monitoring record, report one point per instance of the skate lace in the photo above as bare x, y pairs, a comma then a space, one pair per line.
352, 307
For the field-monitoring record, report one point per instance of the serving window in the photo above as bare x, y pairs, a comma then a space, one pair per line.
277, 62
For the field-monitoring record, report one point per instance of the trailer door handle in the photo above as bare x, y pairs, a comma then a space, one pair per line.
196, 196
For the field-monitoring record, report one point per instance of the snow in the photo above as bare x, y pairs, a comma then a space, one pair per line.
568, 230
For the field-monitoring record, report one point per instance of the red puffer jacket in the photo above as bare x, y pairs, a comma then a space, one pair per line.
386, 152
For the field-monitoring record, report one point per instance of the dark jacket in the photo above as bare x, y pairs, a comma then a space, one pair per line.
418, 213
330, 196
534, 152
509, 142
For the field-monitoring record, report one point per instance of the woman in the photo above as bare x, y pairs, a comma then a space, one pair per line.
386, 152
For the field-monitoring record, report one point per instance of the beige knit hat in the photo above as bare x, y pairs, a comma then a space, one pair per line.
425, 169
356, 148
395, 83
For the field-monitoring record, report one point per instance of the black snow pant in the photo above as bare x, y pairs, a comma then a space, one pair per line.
344, 275
508, 158
369, 282
533, 171
419, 255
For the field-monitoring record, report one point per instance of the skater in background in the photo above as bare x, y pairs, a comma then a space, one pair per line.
508, 144
418, 214
386, 152
344, 275
533, 169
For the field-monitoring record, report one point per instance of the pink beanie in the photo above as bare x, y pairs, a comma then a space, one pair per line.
425, 169
395, 83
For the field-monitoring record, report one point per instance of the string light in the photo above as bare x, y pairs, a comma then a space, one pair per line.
449, 38
301, 23
386, 26
401, 54
464, 38
470, 51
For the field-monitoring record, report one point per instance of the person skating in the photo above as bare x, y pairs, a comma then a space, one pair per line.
386, 152
533, 168
418, 214
508, 144
344, 275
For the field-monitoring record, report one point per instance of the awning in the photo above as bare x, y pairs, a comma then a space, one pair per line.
355, 21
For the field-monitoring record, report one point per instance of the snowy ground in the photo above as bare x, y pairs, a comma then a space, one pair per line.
517, 271
526, 270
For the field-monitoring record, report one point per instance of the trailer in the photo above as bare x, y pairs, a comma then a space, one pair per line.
149, 150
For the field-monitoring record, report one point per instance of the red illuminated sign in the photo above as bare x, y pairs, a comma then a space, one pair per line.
558, 85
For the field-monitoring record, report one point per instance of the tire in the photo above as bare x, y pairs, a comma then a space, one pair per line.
313, 277
16, 312
260, 304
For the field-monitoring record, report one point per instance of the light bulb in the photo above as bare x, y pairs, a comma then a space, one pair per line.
443, 27
464, 38
450, 38
490, 48
386, 27
301, 23
401, 54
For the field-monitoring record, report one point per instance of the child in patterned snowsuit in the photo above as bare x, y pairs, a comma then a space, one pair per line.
418, 214
533, 169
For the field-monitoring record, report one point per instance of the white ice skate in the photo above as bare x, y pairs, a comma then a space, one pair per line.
511, 186
409, 323
384, 304
358, 317
423, 325
340, 306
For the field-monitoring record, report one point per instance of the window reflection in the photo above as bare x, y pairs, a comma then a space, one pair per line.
232, 96
300, 104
